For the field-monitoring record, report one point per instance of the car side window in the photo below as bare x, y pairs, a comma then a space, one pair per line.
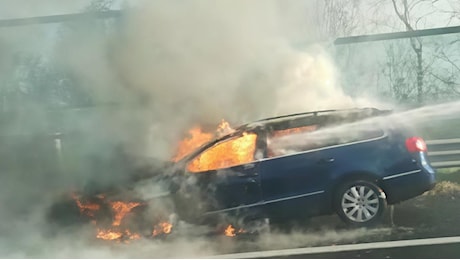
279, 142
235, 151
358, 132
297, 141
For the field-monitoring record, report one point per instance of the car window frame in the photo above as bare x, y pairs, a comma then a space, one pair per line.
383, 131
227, 139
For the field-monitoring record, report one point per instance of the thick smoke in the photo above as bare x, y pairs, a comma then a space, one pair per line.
171, 65
198, 62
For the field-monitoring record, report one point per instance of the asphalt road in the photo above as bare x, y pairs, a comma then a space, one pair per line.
446, 247
432, 215
425, 251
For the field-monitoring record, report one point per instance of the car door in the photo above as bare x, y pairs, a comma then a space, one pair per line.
228, 174
235, 187
295, 177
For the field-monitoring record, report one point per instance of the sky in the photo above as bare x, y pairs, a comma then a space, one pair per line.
379, 16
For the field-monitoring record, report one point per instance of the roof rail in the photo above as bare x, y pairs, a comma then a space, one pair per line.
315, 113
297, 114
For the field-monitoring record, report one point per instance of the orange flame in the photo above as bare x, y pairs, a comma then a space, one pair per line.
224, 128
235, 151
108, 234
230, 231
289, 131
88, 209
197, 138
188, 145
121, 209
162, 228
229, 153
116, 235
132, 235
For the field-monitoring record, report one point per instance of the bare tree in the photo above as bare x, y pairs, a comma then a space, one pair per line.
99, 5
408, 70
338, 18
446, 70
399, 71
403, 12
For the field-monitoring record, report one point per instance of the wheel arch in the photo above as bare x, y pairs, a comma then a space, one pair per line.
354, 176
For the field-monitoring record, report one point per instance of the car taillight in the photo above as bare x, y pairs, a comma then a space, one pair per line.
415, 144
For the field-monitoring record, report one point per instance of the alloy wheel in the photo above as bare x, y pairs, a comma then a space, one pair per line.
360, 203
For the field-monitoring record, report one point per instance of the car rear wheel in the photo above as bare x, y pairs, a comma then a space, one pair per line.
360, 203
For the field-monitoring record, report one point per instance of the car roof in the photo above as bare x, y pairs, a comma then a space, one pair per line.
369, 111
279, 119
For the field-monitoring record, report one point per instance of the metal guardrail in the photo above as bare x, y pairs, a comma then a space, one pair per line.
444, 153
60, 18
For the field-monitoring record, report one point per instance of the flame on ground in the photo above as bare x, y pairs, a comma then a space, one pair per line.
116, 235
162, 228
231, 231
87, 209
121, 209
132, 235
108, 234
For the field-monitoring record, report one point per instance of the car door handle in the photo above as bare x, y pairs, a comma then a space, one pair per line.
326, 160
251, 174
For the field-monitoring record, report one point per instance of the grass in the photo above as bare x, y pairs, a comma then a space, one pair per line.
448, 174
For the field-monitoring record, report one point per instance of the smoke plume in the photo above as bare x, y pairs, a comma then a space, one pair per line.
198, 62
167, 65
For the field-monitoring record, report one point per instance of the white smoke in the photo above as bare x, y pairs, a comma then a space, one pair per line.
179, 63
199, 62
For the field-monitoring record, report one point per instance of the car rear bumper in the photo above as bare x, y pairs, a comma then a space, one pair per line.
407, 185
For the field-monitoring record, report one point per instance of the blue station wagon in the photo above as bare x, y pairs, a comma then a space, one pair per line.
350, 162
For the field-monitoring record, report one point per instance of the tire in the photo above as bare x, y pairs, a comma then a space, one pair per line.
360, 203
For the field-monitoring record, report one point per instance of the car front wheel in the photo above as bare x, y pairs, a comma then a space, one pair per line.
360, 203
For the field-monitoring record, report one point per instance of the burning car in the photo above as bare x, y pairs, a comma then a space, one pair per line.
350, 162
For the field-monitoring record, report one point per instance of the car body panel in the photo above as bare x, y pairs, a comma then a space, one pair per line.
295, 179
234, 186
303, 182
